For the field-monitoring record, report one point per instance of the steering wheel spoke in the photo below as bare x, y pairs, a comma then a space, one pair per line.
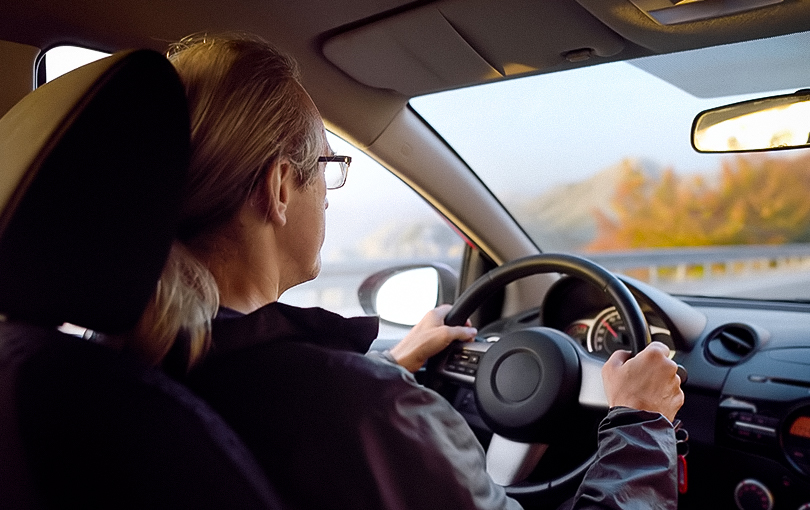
510, 462
591, 389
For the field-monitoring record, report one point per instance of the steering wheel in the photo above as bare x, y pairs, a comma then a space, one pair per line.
530, 384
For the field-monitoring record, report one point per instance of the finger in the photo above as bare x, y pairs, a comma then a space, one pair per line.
441, 311
682, 374
656, 354
618, 358
433, 318
463, 333
659, 347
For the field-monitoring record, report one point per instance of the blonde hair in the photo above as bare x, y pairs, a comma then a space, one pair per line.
185, 300
247, 108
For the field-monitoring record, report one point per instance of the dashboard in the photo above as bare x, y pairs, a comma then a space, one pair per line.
747, 397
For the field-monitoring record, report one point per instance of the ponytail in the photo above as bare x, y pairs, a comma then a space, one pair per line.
185, 300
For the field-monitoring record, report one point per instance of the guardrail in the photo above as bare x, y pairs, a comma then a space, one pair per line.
679, 264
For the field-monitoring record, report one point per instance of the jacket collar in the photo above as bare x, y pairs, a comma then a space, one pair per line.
280, 322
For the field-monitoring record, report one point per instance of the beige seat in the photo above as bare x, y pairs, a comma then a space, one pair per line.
90, 170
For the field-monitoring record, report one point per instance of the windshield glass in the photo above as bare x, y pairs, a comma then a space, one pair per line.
598, 161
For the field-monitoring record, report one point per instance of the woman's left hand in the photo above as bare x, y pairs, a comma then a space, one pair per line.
429, 337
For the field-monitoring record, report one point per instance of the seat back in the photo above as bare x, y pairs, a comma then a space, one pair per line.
91, 166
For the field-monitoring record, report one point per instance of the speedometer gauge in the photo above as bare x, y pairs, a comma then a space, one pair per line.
609, 333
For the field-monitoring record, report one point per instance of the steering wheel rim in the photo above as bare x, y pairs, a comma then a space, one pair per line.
617, 292
486, 285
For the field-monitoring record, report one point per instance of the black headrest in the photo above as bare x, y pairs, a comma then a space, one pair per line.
90, 171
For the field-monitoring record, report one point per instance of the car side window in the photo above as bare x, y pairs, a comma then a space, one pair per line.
374, 222
61, 59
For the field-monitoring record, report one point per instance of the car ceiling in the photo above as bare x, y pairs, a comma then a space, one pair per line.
362, 59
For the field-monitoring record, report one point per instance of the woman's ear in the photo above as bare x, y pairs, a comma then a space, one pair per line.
273, 198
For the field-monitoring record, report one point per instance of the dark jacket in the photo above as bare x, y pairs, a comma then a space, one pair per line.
334, 428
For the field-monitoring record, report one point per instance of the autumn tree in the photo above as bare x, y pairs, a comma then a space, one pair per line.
754, 200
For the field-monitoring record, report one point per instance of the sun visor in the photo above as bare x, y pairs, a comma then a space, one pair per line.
454, 43
748, 67
399, 53
665, 26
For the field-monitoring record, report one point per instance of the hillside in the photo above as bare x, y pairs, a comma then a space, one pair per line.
562, 219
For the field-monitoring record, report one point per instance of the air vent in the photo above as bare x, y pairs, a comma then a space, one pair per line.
729, 344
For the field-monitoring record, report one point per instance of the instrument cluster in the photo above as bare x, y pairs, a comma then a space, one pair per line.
605, 333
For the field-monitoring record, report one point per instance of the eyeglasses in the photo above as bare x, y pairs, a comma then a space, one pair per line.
337, 167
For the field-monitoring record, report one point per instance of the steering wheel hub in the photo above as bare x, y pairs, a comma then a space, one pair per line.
517, 377
526, 382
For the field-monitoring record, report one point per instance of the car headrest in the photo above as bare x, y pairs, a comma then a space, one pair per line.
91, 166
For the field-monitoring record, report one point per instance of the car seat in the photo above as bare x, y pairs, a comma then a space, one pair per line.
91, 165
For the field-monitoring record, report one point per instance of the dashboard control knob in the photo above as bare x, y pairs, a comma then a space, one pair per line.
751, 494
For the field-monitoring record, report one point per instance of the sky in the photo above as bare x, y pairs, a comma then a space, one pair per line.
551, 129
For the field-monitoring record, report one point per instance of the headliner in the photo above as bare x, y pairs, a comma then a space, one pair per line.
511, 36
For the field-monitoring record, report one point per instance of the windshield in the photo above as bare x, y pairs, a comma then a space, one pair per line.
598, 161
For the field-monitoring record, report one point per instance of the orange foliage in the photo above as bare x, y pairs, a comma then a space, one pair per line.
754, 200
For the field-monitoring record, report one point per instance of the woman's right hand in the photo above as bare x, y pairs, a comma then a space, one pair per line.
647, 381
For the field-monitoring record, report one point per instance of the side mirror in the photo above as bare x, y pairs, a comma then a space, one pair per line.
772, 123
403, 295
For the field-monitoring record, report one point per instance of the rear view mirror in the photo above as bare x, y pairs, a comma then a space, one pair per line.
773, 123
